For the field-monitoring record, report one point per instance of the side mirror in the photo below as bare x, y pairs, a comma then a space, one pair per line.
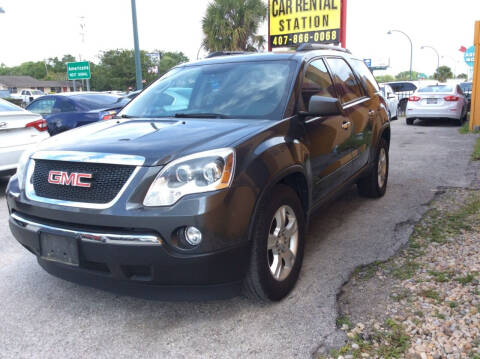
324, 106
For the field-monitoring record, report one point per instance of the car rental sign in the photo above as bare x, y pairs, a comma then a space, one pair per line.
78, 70
295, 22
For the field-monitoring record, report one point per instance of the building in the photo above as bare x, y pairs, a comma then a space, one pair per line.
16, 83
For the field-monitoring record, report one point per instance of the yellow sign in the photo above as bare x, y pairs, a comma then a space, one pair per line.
294, 22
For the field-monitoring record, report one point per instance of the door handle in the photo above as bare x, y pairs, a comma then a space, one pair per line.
346, 125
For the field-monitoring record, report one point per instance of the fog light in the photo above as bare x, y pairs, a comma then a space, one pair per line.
193, 236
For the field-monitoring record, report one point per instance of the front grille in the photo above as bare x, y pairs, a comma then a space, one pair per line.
106, 182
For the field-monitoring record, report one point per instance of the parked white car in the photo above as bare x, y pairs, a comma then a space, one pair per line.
442, 101
27, 95
392, 101
19, 129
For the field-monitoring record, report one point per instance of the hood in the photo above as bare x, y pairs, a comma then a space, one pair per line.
158, 140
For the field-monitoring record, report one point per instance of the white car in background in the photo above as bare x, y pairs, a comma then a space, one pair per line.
27, 95
391, 99
442, 101
19, 129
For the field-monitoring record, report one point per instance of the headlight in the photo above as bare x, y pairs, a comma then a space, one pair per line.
22, 166
198, 173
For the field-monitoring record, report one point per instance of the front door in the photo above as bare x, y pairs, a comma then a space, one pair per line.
327, 137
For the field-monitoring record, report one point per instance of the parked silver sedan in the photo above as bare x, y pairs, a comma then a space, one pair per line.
440, 101
19, 129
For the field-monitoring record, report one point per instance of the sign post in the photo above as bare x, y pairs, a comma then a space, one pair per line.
292, 23
475, 107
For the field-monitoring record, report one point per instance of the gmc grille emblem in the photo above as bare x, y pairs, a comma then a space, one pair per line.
73, 179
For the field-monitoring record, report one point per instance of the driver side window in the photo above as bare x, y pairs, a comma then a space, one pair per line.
317, 82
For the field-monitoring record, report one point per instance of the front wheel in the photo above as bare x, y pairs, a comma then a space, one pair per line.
374, 185
277, 246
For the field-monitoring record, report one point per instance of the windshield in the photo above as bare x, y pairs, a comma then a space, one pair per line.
438, 88
7, 106
240, 90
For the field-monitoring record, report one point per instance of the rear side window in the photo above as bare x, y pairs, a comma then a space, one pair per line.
42, 106
347, 86
365, 75
62, 105
317, 82
403, 86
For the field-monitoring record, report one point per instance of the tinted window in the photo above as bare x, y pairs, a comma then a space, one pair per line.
96, 101
345, 81
366, 77
466, 86
43, 106
440, 88
7, 106
402, 86
63, 105
317, 82
243, 90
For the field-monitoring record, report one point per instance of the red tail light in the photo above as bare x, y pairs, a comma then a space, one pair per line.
451, 98
414, 98
40, 125
107, 117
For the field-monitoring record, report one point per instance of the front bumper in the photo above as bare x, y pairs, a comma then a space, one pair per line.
130, 258
109, 252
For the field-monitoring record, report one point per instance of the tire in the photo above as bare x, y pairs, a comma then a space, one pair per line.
260, 282
410, 121
372, 186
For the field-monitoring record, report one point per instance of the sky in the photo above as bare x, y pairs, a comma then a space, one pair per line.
33, 30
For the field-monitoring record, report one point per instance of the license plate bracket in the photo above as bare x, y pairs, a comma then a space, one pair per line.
59, 249
431, 101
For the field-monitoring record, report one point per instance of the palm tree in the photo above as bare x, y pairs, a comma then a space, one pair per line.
231, 25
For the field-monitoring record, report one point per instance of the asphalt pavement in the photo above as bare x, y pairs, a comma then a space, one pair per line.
42, 316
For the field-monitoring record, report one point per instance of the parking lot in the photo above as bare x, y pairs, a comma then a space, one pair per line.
42, 316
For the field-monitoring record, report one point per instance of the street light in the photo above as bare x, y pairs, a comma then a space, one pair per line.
411, 48
138, 65
438, 56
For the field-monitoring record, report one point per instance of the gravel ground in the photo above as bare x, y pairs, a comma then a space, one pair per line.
426, 300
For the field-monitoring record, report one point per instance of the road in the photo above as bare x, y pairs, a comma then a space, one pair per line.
42, 316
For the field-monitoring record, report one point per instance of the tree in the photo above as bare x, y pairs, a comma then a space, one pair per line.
443, 73
462, 76
116, 69
231, 25
405, 76
384, 78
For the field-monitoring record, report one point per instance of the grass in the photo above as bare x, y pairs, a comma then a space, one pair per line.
440, 277
452, 304
368, 271
406, 271
343, 320
432, 294
476, 150
465, 280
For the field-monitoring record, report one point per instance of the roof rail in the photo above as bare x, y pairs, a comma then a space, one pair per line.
228, 53
311, 47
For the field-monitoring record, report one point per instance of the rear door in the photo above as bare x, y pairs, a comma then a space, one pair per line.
330, 153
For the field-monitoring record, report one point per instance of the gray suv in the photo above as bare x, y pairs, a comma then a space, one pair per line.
204, 184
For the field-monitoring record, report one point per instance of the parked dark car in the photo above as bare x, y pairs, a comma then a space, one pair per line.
208, 178
467, 90
70, 110
403, 90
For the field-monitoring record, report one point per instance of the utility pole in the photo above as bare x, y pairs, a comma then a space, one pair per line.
83, 34
475, 107
138, 65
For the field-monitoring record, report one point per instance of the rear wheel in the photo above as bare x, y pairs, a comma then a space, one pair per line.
375, 184
277, 246
410, 121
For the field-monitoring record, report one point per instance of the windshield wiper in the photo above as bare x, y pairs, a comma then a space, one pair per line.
200, 115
